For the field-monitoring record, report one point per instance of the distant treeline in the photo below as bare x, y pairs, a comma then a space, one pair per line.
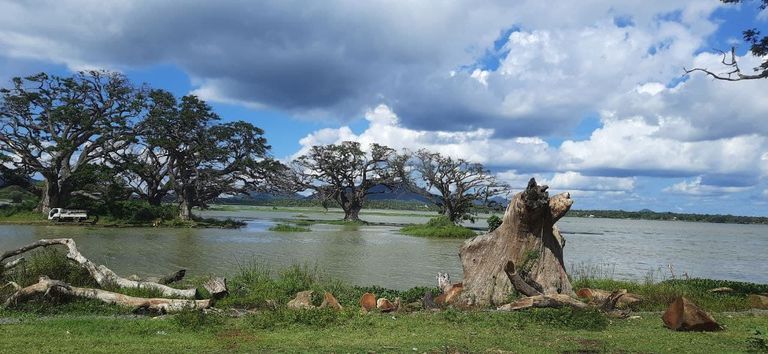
652, 215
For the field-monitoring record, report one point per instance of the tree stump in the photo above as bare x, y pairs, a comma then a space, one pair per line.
527, 244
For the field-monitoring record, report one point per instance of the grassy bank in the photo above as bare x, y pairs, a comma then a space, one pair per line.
260, 294
439, 227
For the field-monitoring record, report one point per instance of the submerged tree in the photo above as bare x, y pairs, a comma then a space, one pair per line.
345, 174
203, 159
758, 47
459, 184
56, 125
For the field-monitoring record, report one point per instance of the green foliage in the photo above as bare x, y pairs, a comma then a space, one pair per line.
50, 262
757, 342
137, 211
568, 318
438, 227
288, 228
494, 221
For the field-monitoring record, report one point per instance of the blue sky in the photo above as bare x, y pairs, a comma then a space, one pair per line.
590, 99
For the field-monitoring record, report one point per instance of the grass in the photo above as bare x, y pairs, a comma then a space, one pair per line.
538, 331
439, 227
288, 228
70, 325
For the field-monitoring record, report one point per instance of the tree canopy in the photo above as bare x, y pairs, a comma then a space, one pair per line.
459, 184
346, 174
55, 125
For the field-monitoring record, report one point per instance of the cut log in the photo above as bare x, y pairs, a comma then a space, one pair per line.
540, 301
684, 315
528, 239
758, 301
217, 287
599, 297
303, 300
101, 274
384, 305
368, 302
330, 301
46, 286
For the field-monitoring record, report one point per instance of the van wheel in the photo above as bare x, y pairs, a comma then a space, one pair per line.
56, 219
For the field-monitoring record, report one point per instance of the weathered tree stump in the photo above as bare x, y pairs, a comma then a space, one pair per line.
527, 248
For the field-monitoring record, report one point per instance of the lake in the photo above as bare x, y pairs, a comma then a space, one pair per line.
379, 255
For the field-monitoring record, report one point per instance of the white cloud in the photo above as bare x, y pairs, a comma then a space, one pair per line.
695, 187
477, 145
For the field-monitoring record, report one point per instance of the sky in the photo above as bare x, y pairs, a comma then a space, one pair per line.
589, 97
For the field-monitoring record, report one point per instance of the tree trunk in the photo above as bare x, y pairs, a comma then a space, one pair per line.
51, 196
185, 209
527, 244
352, 211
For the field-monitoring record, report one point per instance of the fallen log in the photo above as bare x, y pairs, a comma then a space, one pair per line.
101, 274
540, 301
599, 296
47, 286
527, 237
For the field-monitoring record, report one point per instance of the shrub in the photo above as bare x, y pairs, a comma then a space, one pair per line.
494, 221
288, 228
137, 211
440, 227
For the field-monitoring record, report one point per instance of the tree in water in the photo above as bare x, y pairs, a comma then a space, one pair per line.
56, 125
345, 174
459, 184
203, 158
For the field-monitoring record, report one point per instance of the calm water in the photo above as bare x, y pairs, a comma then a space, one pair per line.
378, 255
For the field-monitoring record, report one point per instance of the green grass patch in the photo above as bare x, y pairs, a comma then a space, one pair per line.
288, 228
539, 331
439, 227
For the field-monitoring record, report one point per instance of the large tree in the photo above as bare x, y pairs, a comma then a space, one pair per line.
144, 165
459, 184
205, 158
55, 125
758, 47
345, 174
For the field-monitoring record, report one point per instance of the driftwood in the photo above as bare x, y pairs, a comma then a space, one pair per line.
537, 301
46, 286
527, 238
101, 274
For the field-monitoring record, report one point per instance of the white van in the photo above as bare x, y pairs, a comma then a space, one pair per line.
59, 214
